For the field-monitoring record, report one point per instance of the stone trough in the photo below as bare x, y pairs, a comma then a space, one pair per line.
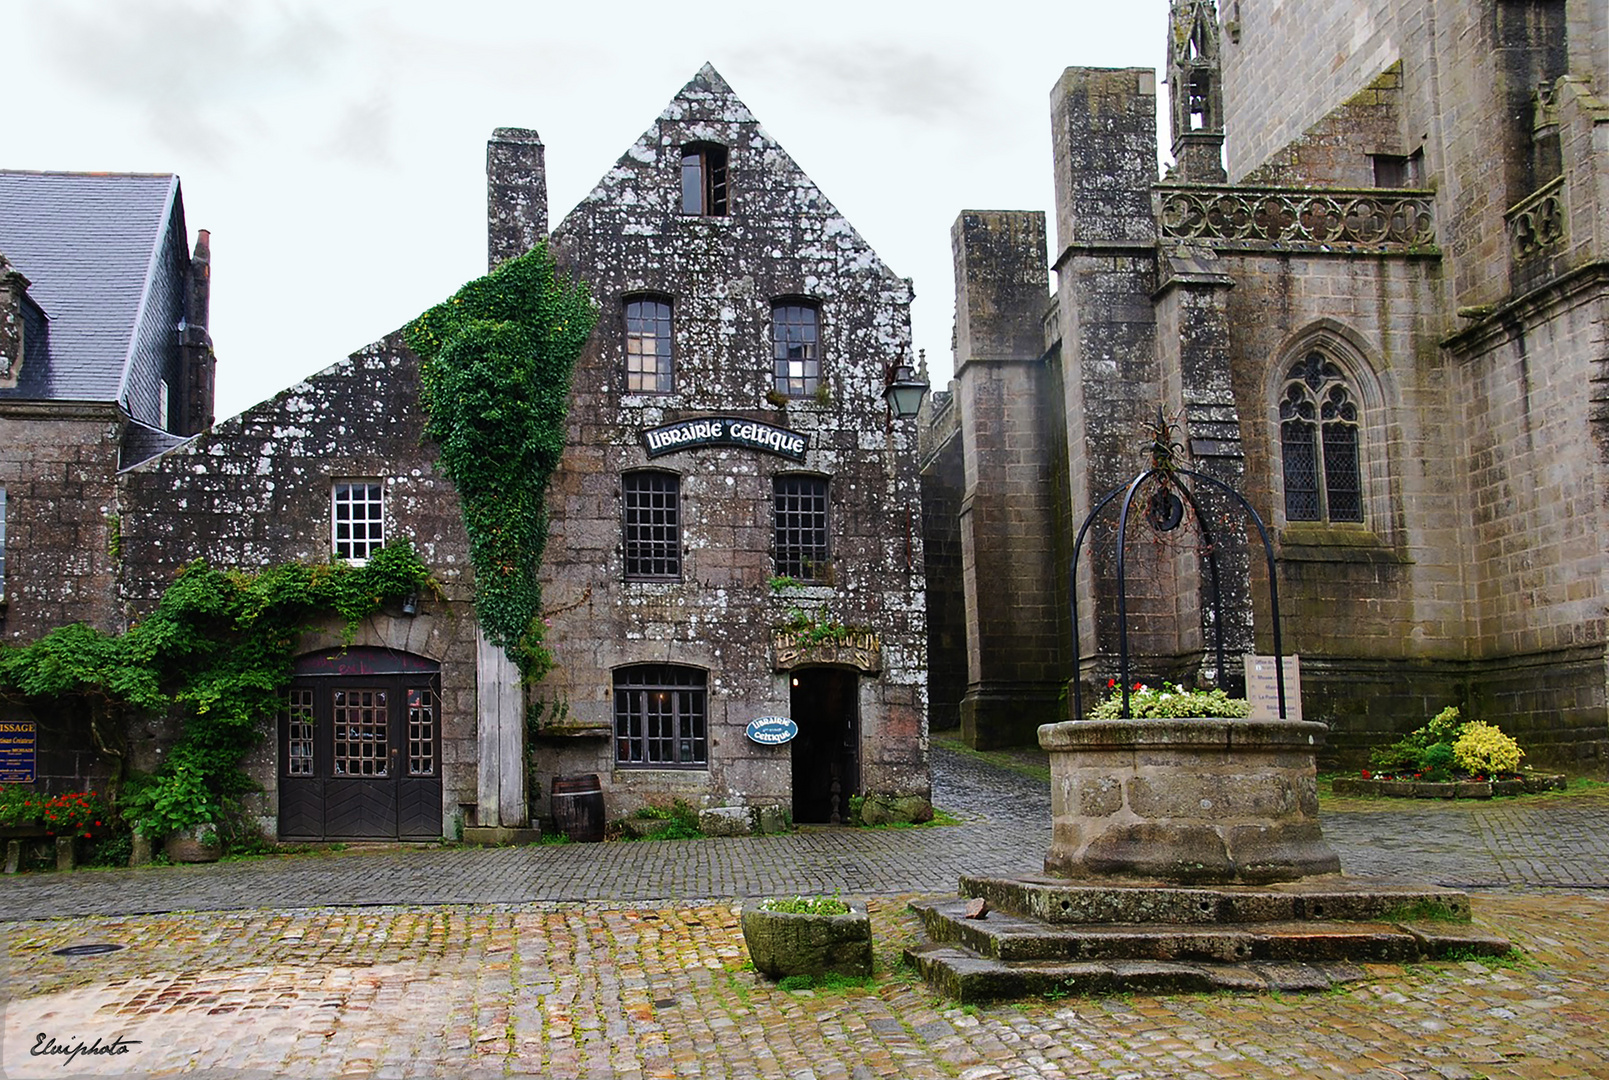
1186, 855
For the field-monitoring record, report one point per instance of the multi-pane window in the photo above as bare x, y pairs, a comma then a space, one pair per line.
421, 732
362, 725
299, 733
648, 361
652, 525
661, 716
1318, 435
357, 514
796, 349
704, 180
801, 527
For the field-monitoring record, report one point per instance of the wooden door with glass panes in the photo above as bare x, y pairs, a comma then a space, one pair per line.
360, 757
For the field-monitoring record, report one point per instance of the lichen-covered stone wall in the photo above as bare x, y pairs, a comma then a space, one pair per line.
780, 238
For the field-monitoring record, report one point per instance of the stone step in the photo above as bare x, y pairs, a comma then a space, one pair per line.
1011, 938
967, 977
1322, 897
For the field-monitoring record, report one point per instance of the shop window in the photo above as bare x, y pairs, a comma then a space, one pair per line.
796, 348
357, 518
1319, 446
648, 355
704, 180
652, 525
661, 717
801, 527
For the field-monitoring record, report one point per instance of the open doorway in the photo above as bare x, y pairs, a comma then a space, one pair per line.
826, 760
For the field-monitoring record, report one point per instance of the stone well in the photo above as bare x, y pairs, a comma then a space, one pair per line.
1209, 801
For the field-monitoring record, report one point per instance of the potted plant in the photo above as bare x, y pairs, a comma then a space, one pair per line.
1187, 788
176, 806
808, 935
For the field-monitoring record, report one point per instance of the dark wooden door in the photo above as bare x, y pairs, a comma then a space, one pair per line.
360, 758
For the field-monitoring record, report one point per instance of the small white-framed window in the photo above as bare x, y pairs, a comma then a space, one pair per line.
357, 519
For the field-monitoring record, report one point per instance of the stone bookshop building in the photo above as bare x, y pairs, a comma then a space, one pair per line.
1373, 292
733, 537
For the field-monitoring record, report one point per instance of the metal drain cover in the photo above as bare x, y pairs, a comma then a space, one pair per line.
94, 949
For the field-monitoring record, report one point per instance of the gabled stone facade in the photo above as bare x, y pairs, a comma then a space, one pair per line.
1381, 313
769, 246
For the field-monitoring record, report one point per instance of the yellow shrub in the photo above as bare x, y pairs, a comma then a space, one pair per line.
1482, 748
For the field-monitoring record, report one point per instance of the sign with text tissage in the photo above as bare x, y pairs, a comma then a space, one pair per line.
19, 751
725, 431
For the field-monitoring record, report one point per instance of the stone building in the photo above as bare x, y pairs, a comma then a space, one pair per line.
1373, 291
733, 526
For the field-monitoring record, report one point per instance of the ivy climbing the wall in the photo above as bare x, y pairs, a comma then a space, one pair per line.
216, 654
495, 384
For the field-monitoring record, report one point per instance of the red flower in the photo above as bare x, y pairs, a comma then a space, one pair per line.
1139, 686
1111, 684
1365, 776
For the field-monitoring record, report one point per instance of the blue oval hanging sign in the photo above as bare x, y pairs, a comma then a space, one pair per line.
771, 730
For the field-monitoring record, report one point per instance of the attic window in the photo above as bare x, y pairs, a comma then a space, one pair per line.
704, 180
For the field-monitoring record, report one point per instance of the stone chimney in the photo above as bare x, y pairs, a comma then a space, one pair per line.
197, 360
13, 291
516, 194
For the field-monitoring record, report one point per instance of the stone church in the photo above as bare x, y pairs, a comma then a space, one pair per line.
1372, 293
734, 547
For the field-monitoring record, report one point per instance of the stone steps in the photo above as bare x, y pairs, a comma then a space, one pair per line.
1307, 935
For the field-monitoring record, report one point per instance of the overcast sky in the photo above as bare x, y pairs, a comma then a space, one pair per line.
336, 149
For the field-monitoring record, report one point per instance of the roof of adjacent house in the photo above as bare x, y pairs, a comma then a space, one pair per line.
91, 246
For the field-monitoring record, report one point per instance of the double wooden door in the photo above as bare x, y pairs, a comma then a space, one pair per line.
360, 758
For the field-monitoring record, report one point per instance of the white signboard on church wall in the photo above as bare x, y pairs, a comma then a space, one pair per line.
1262, 691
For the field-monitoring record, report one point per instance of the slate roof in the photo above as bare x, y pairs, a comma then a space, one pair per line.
89, 243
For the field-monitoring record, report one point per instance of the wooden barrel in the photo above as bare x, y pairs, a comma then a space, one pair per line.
578, 807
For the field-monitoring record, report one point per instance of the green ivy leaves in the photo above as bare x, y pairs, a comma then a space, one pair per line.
498, 358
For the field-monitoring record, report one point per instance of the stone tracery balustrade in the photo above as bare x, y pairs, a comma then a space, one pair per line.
1536, 223
1303, 219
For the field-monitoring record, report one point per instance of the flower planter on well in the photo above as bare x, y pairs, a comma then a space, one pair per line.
197, 844
782, 943
1215, 800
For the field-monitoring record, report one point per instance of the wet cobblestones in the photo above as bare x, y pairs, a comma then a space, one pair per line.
614, 960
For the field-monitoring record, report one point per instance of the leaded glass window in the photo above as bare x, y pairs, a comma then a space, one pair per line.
299, 733
796, 349
361, 733
661, 716
1319, 444
652, 524
648, 356
800, 511
357, 513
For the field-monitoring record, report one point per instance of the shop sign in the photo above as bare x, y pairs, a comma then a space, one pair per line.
1263, 692
771, 730
19, 751
862, 649
725, 431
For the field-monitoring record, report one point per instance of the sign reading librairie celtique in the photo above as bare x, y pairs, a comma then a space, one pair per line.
725, 431
19, 751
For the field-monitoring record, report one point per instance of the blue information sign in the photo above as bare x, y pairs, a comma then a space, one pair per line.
771, 730
19, 751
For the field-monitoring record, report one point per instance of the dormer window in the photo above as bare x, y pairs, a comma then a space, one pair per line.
704, 179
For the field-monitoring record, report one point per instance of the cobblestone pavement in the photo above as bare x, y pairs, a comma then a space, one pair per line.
1552, 841
626, 960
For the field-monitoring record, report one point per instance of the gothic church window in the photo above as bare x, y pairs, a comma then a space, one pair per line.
795, 348
661, 716
1318, 431
357, 519
648, 354
704, 187
652, 525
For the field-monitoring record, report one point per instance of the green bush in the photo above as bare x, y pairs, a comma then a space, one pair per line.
1483, 749
806, 905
